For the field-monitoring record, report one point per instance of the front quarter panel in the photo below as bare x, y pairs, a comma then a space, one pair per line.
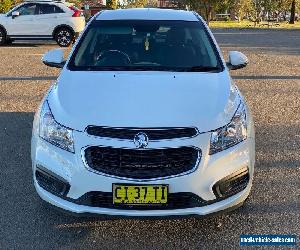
3, 21
35, 126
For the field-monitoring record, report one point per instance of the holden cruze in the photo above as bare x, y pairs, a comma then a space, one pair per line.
144, 120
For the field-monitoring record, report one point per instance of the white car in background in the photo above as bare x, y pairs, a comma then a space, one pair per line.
144, 120
42, 20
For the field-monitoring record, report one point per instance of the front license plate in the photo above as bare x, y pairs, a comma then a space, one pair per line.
140, 194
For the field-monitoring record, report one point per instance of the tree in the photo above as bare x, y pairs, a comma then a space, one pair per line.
152, 3
77, 3
136, 3
5, 5
112, 4
208, 6
293, 11
204, 7
240, 8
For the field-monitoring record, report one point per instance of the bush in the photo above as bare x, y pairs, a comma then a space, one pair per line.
5, 5
227, 19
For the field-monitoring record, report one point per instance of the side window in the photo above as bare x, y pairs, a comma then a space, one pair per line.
58, 10
49, 9
46, 9
27, 9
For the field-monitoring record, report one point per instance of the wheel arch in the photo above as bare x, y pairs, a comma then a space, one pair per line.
3, 28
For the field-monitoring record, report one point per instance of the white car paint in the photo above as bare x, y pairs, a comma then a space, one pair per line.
205, 94
144, 99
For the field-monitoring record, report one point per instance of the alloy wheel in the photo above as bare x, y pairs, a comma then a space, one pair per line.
64, 37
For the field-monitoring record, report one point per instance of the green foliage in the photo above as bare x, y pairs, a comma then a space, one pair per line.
241, 7
112, 4
207, 8
276, 5
137, 3
77, 3
152, 3
5, 5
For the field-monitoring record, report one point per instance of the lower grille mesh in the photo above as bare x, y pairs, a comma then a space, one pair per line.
175, 201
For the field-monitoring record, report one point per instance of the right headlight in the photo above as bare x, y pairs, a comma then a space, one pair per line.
231, 134
53, 132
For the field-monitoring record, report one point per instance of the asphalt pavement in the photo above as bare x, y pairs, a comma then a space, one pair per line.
271, 85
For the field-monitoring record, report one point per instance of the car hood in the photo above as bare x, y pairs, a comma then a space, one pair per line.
143, 99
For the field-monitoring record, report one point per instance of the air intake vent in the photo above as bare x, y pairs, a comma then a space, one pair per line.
152, 133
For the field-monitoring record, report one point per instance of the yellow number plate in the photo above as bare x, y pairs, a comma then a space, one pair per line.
140, 194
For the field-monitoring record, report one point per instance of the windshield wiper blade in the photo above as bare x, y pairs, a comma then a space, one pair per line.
130, 68
201, 69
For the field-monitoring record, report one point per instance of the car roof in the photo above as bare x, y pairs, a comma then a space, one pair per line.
147, 14
45, 1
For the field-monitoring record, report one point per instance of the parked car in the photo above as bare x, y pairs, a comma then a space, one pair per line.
41, 20
144, 120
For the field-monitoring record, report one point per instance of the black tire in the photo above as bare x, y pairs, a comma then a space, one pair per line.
64, 37
2, 36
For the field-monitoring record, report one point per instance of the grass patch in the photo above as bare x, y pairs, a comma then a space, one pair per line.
249, 24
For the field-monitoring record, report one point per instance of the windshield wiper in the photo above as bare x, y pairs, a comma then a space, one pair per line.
130, 68
201, 69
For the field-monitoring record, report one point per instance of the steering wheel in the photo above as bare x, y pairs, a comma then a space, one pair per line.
113, 58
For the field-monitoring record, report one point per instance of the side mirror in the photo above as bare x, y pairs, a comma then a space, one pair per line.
15, 14
54, 58
237, 60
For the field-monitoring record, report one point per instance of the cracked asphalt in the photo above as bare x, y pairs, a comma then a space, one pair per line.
271, 85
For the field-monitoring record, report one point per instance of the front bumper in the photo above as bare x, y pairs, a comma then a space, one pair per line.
201, 181
231, 202
210, 170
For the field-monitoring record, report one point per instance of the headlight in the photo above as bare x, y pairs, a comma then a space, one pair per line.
53, 132
231, 134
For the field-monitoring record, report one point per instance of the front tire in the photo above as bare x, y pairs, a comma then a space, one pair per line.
2, 36
64, 37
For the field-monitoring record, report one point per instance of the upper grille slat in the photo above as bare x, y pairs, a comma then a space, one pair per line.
152, 133
142, 164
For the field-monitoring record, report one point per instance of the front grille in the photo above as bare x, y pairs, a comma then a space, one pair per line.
175, 201
152, 133
142, 163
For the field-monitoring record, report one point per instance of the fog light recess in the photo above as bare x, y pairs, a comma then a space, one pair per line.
51, 182
232, 184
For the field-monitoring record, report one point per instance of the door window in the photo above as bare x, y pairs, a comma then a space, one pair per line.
49, 9
27, 9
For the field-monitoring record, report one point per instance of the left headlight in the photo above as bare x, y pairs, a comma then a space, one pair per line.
53, 132
231, 134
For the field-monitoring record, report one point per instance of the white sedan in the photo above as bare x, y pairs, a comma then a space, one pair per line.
144, 120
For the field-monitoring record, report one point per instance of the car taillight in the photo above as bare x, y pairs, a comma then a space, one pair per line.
77, 12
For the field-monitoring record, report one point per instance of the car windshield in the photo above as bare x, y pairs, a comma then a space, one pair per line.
141, 45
